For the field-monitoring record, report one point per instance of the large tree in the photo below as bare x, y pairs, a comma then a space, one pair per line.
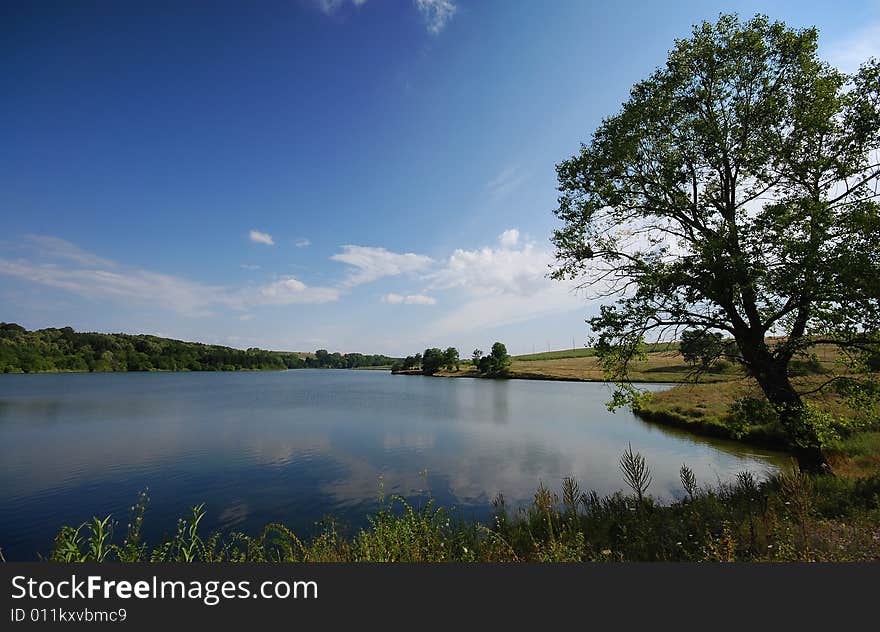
734, 192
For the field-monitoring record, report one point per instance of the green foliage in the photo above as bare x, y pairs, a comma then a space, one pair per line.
432, 361
23, 351
476, 356
52, 350
747, 412
701, 348
451, 359
817, 425
496, 364
323, 359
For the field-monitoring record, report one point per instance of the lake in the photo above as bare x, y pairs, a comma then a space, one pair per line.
295, 446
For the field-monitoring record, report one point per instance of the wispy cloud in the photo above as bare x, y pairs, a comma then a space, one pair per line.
500, 310
332, 6
409, 299
302, 243
131, 285
260, 237
436, 13
249, 266
505, 183
55, 248
60, 264
371, 263
849, 53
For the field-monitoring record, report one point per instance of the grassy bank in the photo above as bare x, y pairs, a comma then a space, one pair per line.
713, 410
790, 517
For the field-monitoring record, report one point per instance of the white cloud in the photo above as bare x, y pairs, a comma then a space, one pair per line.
505, 270
291, 290
259, 237
372, 263
419, 299
409, 299
436, 13
302, 243
503, 285
509, 238
849, 53
249, 266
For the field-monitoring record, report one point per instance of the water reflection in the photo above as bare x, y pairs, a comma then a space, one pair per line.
298, 445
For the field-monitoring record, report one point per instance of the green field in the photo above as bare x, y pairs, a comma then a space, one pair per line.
587, 352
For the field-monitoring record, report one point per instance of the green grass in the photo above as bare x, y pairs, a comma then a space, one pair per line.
556, 355
857, 456
587, 352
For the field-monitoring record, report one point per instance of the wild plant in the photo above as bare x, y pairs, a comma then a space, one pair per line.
636, 472
279, 544
100, 536
68, 545
796, 489
688, 481
571, 495
132, 548
186, 545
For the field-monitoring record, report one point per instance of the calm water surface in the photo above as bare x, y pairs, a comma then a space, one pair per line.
295, 446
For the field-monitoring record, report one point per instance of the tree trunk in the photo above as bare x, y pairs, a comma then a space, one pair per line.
779, 391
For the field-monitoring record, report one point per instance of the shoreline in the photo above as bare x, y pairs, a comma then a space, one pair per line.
536, 377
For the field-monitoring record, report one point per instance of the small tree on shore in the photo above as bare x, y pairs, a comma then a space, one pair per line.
432, 361
701, 348
500, 359
496, 363
476, 356
451, 358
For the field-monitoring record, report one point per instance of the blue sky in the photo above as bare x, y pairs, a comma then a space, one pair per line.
358, 175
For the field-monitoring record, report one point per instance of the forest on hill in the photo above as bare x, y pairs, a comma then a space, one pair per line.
63, 349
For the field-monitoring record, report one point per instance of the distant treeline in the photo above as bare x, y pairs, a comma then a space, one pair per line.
51, 350
323, 359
